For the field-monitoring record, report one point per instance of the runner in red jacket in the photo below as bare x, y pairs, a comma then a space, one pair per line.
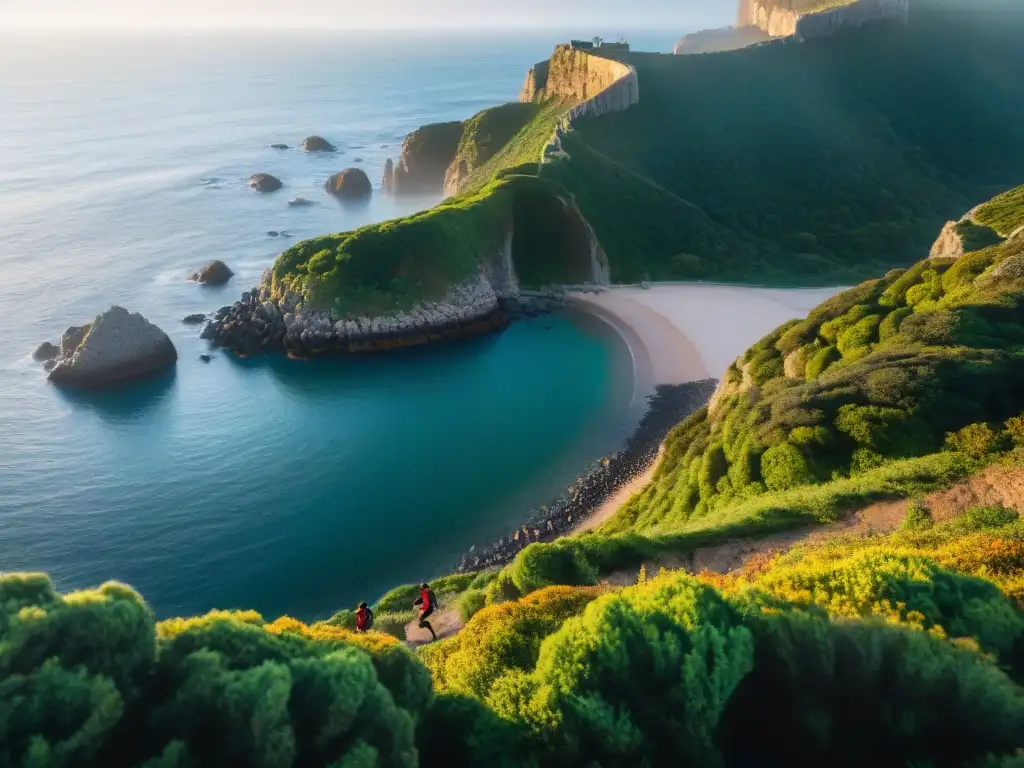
427, 602
364, 618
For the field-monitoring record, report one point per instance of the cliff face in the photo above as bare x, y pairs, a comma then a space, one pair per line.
578, 76
426, 154
592, 84
789, 18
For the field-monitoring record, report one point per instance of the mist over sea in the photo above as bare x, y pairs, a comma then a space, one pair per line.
284, 486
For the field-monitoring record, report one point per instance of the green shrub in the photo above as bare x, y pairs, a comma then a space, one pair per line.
471, 601
983, 517
918, 516
90, 679
783, 466
974, 440
866, 694
560, 562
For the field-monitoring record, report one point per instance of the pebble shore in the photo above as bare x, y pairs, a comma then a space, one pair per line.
666, 408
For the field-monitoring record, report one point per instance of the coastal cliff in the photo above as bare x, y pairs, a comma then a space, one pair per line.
426, 154
805, 19
368, 290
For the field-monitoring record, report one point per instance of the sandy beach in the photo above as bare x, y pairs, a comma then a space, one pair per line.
684, 332
680, 332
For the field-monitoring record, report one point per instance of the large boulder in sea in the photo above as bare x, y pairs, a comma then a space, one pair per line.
116, 346
317, 144
264, 182
350, 184
214, 273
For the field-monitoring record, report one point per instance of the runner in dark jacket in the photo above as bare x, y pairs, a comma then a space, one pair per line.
364, 618
427, 603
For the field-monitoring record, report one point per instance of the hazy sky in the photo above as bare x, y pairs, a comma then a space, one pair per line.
365, 13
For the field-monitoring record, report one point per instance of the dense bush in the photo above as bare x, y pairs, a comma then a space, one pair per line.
92, 679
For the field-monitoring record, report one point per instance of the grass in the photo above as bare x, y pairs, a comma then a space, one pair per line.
1004, 213
486, 134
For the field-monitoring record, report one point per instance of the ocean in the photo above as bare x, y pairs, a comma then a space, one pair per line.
289, 487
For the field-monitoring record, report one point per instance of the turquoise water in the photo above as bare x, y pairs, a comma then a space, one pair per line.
284, 486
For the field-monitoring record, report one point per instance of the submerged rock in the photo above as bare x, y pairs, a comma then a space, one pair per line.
45, 351
279, 146
273, 233
264, 182
317, 144
214, 273
350, 184
206, 358
116, 346
298, 201
195, 319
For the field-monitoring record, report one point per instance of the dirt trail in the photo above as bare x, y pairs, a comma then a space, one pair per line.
445, 621
994, 485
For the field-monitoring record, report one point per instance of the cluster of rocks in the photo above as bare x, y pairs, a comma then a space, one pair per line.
261, 323
666, 408
531, 304
117, 345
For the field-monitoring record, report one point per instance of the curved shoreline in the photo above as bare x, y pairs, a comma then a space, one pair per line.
675, 333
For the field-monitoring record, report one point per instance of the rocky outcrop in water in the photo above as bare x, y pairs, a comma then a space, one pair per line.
666, 408
387, 181
214, 273
45, 351
264, 182
426, 154
316, 144
258, 323
349, 184
117, 345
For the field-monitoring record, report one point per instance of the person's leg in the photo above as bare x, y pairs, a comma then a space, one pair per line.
424, 624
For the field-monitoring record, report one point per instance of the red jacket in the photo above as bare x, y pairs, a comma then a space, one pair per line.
427, 600
362, 618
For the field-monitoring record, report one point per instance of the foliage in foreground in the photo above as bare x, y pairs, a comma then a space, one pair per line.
91, 679
671, 670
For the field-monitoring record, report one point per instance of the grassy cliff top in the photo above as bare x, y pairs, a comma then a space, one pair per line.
1004, 213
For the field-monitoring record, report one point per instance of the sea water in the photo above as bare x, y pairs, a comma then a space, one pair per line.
284, 486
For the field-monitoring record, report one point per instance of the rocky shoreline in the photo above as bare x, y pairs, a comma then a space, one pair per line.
666, 408
259, 324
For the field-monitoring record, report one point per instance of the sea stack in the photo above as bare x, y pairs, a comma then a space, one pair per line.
264, 182
350, 184
316, 144
214, 273
116, 346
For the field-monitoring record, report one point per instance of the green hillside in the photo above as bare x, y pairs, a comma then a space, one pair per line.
817, 163
831, 160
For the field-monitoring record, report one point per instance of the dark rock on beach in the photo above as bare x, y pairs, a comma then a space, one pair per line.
666, 408
316, 144
264, 182
350, 184
214, 273
195, 319
45, 351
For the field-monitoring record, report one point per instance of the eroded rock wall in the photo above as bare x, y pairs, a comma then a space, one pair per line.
426, 154
783, 18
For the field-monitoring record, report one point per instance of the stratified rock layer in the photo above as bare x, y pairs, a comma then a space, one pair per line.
426, 154
116, 346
